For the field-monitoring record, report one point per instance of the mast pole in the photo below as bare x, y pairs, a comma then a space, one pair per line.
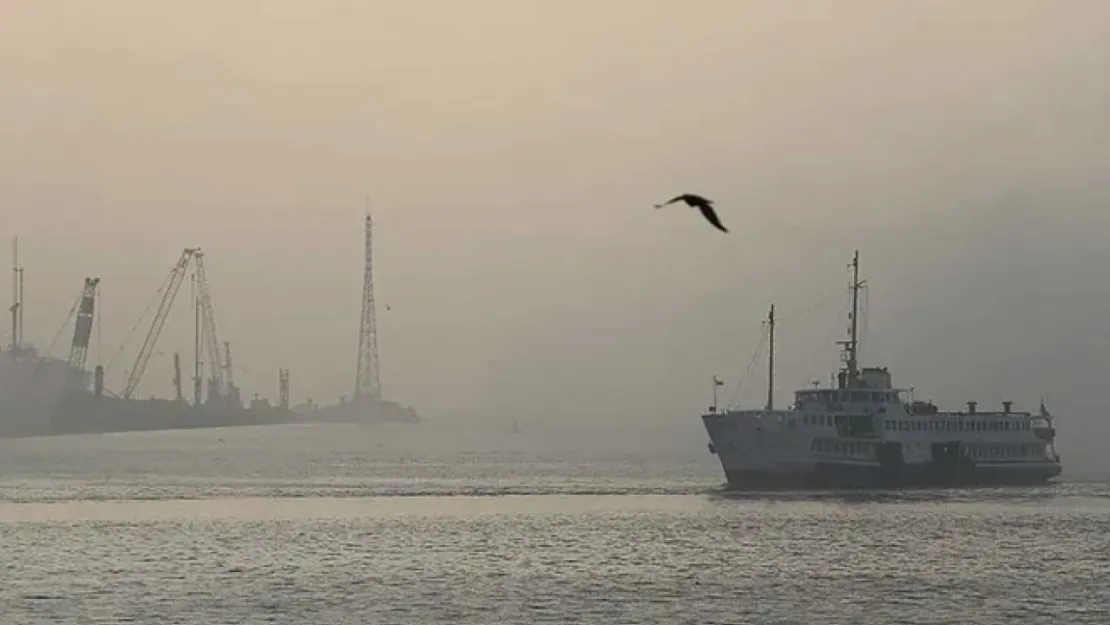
196, 345
771, 359
17, 300
853, 341
22, 337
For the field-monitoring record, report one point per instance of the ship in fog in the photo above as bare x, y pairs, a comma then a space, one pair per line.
863, 432
43, 395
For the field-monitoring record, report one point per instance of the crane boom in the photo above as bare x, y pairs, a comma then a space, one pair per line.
82, 329
173, 285
211, 335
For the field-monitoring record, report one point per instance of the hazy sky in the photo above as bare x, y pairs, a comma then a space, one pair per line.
512, 151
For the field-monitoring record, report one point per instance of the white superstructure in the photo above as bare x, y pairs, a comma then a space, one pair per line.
867, 433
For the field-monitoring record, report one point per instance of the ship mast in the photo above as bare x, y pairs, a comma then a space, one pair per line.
853, 345
771, 358
850, 374
17, 300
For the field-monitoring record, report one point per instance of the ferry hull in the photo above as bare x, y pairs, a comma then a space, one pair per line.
824, 476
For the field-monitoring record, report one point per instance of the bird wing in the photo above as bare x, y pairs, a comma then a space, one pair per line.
711, 216
672, 200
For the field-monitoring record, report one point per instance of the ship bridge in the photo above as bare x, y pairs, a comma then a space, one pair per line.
872, 386
834, 399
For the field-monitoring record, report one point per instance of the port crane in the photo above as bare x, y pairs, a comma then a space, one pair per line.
219, 384
83, 327
84, 309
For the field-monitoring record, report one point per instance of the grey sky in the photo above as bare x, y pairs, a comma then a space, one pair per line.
512, 151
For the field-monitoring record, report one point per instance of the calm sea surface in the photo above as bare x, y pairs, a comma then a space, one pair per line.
335, 524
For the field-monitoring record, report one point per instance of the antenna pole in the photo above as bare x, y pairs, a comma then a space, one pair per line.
367, 381
771, 359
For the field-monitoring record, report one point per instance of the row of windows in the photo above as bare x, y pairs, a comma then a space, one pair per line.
933, 425
958, 425
844, 448
983, 452
1005, 451
825, 420
825, 396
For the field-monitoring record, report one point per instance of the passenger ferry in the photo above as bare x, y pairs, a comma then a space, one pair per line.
865, 433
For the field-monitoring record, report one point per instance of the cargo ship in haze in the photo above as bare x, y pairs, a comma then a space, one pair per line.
41, 395
865, 433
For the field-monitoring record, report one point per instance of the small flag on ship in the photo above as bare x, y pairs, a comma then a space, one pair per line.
718, 381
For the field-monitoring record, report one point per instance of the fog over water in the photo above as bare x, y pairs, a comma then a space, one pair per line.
511, 153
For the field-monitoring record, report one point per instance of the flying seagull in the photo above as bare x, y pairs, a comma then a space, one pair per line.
700, 203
